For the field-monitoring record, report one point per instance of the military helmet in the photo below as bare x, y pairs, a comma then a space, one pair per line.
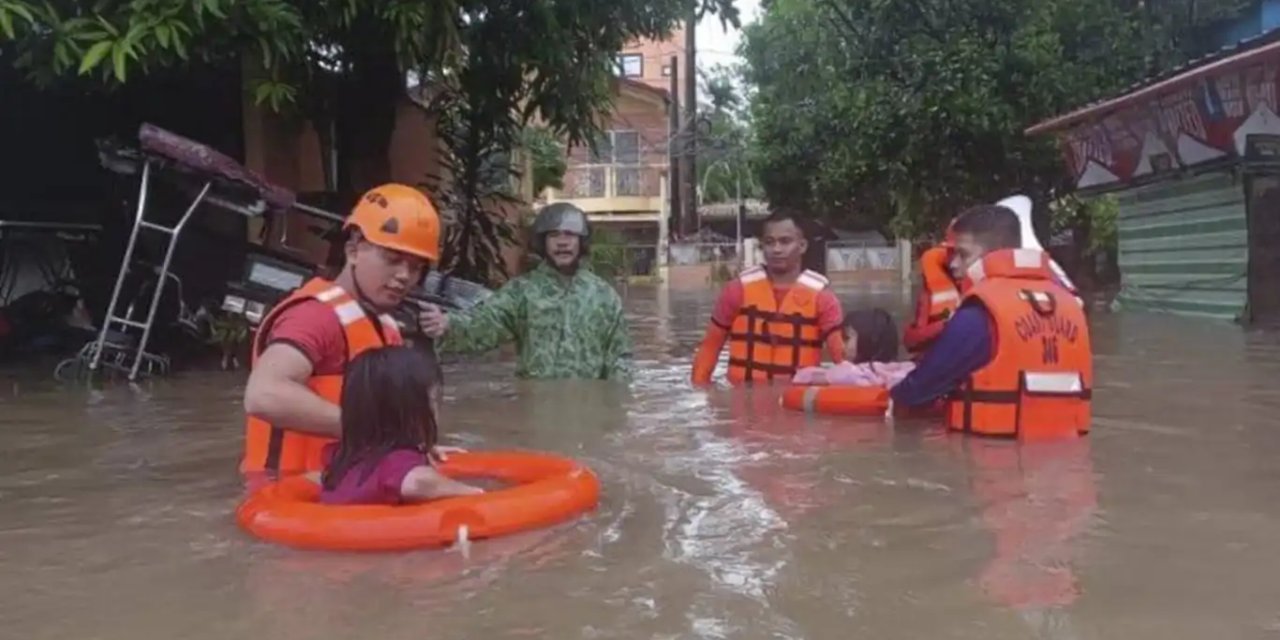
560, 216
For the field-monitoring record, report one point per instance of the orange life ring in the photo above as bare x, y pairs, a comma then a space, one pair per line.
837, 400
546, 490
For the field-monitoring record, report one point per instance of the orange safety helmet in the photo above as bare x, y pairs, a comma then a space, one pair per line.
400, 218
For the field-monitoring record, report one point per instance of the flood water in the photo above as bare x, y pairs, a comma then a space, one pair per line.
723, 516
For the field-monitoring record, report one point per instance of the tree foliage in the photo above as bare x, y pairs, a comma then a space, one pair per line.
1178, 30
897, 113
500, 65
1092, 220
724, 149
555, 52
547, 158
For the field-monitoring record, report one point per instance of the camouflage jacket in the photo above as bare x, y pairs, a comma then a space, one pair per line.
562, 327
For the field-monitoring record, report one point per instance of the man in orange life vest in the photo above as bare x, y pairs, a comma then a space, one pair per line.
777, 319
303, 345
938, 300
1015, 359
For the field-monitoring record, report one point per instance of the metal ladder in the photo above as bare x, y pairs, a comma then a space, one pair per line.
120, 356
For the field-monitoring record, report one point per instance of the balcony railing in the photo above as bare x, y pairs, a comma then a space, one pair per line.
612, 181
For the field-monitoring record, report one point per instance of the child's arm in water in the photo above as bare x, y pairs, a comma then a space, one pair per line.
425, 483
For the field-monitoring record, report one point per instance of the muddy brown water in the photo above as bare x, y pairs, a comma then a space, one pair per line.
722, 515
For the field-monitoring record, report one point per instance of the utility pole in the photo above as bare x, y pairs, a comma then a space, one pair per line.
674, 152
689, 219
740, 215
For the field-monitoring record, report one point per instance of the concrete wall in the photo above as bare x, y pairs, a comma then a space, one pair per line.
862, 258
1184, 246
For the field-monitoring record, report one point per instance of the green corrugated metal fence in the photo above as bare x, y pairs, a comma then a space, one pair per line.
1184, 247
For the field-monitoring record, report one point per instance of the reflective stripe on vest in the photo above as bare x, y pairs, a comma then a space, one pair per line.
281, 450
1039, 381
942, 305
768, 339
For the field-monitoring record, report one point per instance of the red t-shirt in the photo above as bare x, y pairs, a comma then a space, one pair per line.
312, 327
830, 315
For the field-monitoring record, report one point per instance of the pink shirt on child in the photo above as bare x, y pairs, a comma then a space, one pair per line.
382, 486
866, 374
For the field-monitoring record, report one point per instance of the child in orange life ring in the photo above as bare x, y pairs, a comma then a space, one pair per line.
871, 354
388, 428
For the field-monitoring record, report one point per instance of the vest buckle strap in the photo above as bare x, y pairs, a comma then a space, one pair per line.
972, 396
771, 340
773, 316
766, 367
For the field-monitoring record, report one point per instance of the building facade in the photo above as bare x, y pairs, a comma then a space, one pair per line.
649, 61
621, 183
1193, 159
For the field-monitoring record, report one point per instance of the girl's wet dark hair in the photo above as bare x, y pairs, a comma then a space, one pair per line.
877, 335
386, 405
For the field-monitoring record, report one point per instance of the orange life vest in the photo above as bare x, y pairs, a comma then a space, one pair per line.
278, 449
939, 298
768, 340
1040, 379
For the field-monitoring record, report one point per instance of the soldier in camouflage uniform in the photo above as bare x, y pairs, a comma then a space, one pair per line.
566, 321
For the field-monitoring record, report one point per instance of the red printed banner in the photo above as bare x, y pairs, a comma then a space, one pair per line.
1204, 121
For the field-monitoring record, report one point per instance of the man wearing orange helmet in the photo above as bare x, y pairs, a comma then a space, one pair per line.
303, 345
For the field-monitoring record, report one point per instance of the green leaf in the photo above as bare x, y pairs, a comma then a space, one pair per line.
119, 61
90, 36
135, 32
111, 29
62, 55
77, 24
51, 13
6, 23
212, 6
21, 11
178, 46
94, 56
260, 94
162, 35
